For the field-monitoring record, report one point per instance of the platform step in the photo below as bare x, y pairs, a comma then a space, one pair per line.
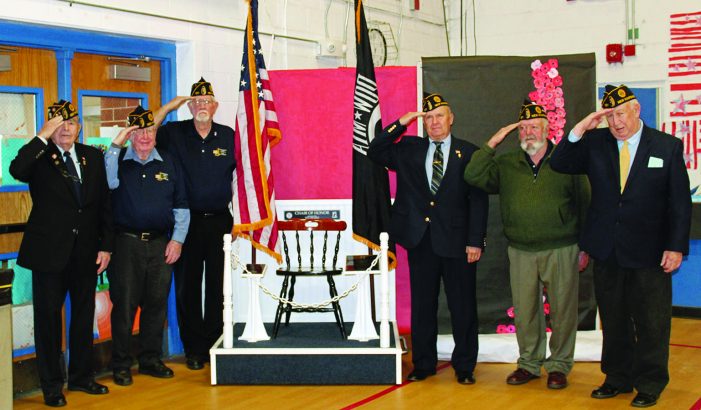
309, 354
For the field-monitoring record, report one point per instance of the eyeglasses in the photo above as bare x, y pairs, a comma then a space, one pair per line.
202, 102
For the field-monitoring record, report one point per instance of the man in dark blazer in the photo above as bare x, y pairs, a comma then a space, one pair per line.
66, 244
441, 221
637, 231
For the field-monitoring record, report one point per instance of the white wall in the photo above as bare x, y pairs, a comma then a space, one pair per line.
550, 27
215, 52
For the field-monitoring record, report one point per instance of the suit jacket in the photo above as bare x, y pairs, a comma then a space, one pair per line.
59, 220
457, 213
653, 214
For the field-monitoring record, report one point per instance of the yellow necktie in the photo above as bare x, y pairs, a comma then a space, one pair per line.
624, 163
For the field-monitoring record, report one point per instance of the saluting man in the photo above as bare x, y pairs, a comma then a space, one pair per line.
637, 231
151, 221
66, 244
205, 153
441, 220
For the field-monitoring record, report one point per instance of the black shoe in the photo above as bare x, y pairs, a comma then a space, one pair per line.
644, 400
465, 378
195, 363
91, 387
418, 375
157, 369
55, 400
606, 391
122, 377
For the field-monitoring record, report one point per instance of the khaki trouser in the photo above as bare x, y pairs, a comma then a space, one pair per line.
557, 270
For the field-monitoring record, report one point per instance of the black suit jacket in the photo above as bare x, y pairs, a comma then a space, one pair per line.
457, 214
653, 214
59, 220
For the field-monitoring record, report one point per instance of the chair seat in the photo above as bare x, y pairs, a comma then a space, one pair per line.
309, 272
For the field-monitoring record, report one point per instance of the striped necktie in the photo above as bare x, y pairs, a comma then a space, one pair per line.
73, 172
437, 167
624, 163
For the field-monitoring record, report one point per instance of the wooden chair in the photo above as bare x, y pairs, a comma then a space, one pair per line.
310, 263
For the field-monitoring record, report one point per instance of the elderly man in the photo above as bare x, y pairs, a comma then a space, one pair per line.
205, 152
637, 230
151, 221
441, 221
67, 243
542, 212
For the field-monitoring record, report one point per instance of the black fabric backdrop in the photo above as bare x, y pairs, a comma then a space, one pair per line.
486, 93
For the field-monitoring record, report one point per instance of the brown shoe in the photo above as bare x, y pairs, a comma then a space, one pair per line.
557, 380
520, 376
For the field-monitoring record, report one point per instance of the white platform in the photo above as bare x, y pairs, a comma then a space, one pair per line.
502, 348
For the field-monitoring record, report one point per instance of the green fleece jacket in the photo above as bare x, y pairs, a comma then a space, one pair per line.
538, 213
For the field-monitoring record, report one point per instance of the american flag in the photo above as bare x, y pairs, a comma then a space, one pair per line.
684, 65
689, 131
257, 130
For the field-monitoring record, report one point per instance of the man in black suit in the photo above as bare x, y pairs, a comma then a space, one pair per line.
637, 231
66, 244
441, 221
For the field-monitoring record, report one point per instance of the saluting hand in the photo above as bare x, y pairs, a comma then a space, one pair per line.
501, 135
590, 122
173, 250
47, 130
409, 117
123, 135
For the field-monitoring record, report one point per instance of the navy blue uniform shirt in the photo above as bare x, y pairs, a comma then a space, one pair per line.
146, 195
208, 163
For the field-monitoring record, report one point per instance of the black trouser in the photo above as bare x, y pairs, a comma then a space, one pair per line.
202, 254
139, 277
636, 313
49, 292
426, 271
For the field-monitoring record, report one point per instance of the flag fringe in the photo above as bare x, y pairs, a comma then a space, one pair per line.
390, 255
252, 226
260, 247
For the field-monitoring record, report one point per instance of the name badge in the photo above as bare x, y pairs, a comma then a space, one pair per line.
219, 152
161, 176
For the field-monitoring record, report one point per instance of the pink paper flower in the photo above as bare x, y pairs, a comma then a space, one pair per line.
536, 65
552, 73
501, 329
511, 329
510, 312
552, 63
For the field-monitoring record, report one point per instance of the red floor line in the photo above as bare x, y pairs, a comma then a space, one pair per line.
696, 406
386, 391
679, 345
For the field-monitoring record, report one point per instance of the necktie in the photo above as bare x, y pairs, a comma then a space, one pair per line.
624, 163
73, 172
437, 175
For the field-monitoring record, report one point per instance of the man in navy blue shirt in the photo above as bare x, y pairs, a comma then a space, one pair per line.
205, 151
151, 217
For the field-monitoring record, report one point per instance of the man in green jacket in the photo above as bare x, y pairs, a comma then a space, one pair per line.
542, 212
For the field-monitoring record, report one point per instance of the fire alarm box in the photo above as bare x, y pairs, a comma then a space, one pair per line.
629, 50
614, 53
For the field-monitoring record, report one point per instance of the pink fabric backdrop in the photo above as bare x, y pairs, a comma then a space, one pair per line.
314, 158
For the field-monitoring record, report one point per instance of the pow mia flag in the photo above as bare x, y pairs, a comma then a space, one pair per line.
371, 201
